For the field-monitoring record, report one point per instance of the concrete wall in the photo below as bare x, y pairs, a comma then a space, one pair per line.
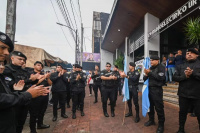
150, 23
106, 57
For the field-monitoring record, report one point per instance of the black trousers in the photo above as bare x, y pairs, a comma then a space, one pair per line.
78, 98
90, 87
95, 88
37, 110
184, 105
21, 115
133, 94
68, 97
58, 97
108, 93
120, 89
156, 101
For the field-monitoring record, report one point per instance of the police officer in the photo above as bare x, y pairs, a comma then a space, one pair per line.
14, 73
108, 89
156, 75
188, 76
68, 97
38, 105
59, 91
77, 80
116, 82
97, 82
133, 82
9, 100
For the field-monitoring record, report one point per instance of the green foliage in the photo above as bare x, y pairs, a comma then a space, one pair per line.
120, 62
192, 30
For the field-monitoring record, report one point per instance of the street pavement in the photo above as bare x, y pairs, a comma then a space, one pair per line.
95, 122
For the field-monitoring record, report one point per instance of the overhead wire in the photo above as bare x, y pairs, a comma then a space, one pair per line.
60, 26
63, 11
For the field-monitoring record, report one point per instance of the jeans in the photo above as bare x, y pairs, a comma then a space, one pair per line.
171, 71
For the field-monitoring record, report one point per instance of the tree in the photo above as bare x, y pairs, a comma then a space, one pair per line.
192, 30
120, 62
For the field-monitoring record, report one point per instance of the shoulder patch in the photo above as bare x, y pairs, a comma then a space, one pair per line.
161, 74
8, 79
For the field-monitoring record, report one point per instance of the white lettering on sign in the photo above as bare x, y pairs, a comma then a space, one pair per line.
174, 16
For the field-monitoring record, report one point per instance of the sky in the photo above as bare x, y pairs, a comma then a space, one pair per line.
36, 24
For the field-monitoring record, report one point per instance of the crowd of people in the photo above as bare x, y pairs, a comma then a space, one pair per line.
24, 90
170, 63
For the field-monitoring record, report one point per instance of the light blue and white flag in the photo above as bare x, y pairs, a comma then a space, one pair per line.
125, 89
145, 89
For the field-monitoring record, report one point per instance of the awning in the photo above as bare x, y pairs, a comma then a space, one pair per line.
127, 15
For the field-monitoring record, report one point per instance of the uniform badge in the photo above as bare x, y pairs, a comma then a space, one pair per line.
8, 79
137, 73
3, 37
161, 74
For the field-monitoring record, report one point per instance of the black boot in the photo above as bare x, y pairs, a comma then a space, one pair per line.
64, 116
112, 113
181, 129
68, 106
149, 123
160, 128
106, 114
82, 113
43, 126
129, 113
54, 118
95, 101
74, 116
137, 118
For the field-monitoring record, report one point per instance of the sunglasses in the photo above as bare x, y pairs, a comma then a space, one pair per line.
108, 66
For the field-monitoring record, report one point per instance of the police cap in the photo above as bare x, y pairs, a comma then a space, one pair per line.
60, 65
38, 62
193, 51
77, 66
18, 53
6, 40
132, 64
154, 57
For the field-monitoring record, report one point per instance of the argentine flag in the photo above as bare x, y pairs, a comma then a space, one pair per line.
125, 89
145, 89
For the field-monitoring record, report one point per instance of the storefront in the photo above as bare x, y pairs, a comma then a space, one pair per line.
147, 28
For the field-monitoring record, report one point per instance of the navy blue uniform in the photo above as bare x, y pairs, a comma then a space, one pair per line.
77, 90
133, 82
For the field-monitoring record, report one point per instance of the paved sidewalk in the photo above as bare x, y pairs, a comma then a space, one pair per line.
95, 122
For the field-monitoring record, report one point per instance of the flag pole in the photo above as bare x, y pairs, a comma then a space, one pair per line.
124, 113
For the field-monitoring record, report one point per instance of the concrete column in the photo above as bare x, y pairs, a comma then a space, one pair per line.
116, 56
152, 45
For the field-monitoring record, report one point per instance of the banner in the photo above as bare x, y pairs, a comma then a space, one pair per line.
91, 57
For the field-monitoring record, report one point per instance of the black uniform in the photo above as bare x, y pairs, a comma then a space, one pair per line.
8, 101
77, 90
68, 89
188, 90
38, 108
96, 84
58, 92
12, 75
133, 82
108, 91
156, 80
117, 84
